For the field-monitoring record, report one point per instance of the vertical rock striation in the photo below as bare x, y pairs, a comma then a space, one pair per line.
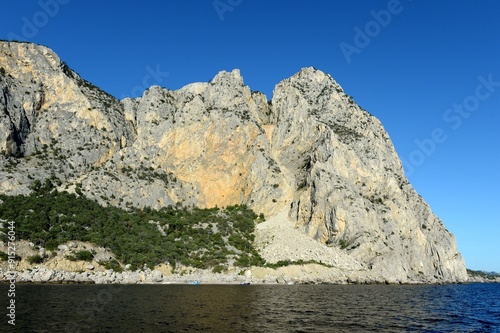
349, 185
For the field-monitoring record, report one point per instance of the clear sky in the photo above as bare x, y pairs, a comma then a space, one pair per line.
429, 70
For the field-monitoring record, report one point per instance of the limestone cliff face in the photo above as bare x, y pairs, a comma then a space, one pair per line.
209, 135
349, 185
52, 120
311, 152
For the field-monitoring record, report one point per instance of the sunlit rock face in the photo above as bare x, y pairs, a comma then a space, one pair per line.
311, 151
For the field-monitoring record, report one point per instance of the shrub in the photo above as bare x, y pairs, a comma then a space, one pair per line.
218, 269
84, 255
81, 255
112, 264
5, 257
280, 263
51, 244
343, 243
36, 259
284, 263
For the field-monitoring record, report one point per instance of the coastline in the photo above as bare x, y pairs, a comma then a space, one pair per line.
254, 276
58, 267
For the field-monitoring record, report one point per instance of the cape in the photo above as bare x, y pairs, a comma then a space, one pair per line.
322, 170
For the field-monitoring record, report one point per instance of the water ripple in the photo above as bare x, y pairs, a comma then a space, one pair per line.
321, 308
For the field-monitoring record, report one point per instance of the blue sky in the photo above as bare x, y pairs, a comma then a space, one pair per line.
430, 71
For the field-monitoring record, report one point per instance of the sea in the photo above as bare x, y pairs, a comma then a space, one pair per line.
253, 308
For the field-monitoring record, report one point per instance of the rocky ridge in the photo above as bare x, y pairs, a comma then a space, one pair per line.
311, 152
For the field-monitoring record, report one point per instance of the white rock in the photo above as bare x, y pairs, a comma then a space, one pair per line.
63, 248
156, 276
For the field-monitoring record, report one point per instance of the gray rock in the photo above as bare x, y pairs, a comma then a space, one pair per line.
82, 278
103, 255
63, 248
46, 276
156, 276
25, 276
131, 277
42, 275
69, 276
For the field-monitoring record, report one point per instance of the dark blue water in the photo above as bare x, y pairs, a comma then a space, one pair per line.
234, 308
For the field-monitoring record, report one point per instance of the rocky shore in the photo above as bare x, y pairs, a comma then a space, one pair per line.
307, 274
294, 274
480, 279
320, 264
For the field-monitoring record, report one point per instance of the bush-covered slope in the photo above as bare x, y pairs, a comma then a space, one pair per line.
202, 238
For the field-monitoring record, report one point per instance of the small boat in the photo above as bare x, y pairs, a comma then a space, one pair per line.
194, 282
245, 283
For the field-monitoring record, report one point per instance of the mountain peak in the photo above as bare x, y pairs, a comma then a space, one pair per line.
233, 77
312, 74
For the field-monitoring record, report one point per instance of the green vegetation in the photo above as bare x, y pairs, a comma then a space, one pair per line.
151, 175
112, 264
201, 238
348, 244
484, 275
343, 243
5, 257
35, 259
345, 134
83, 255
284, 263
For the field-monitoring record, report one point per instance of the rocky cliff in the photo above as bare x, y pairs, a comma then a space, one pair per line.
310, 156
